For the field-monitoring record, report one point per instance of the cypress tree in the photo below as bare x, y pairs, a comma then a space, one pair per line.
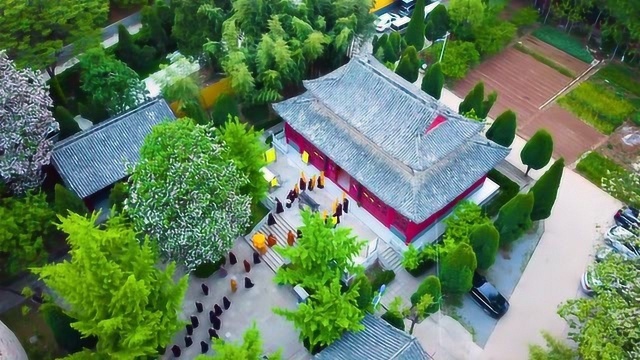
126, 50
68, 126
456, 272
430, 285
514, 218
433, 81
545, 191
537, 152
66, 201
152, 29
487, 104
409, 65
485, 239
397, 45
503, 129
378, 47
57, 94
415, 30
437, 23
473, 100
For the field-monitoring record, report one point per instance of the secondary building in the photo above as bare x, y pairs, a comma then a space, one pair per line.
401, 154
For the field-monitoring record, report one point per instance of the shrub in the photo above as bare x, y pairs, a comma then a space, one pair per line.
433, 81
524, 17
465, 217
514, 218
205, 270
456, 272
67, 201
537, 152
382, 277
484, 240
409, 65
597, 106
68, 126
365, 293
437, 23
545, 191
118, 195
493, 35
564, 42
418, 262
224, 106
394, 319
508, 189
459, 57
503, 129
415, 31
431, 286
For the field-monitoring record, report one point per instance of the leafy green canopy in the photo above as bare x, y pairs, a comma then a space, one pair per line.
249, 349
537, 152
114, 289
321, 254
187, 195
456, 271
503, 129
485, 240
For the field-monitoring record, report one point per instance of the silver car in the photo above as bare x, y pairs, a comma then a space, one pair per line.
623, 241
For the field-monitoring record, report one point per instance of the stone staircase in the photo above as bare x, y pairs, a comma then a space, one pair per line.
279, 230
390, 259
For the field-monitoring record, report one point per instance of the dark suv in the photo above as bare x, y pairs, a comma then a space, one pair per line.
627, 217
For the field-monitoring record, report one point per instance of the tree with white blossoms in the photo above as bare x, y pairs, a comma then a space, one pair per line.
186, 196
25, 123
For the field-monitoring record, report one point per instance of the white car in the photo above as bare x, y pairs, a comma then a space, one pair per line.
588, 280
383, 22
623, 241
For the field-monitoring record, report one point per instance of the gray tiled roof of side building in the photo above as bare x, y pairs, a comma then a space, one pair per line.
96, 158
415, 194
378, 341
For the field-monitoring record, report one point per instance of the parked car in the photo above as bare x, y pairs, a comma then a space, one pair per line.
384, 21
488, 297
603, 252
588, 281
623, 241
627, 217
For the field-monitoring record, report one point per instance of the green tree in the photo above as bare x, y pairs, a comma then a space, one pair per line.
25, 222
313, 264
186, 195
394, 319
225, 106
473, 100
415, 30
433, 81
465, 15
66, 336
68, 126
537, 152
545, 191
245, 148
127, 51
429, 286
487, 104
503, 129
118, 195
365, 293
456, 271
34, 33
492, 35
437, 23
111, 82
326, 314
605, 326
485, 240
114, 289
459, 57
409, 65
185, 90
514, 218
555, 350
152, 29
67, 202
195, 22
249, 349
466, 216
378, 47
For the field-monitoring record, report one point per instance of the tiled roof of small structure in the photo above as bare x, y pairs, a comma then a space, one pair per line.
96, 158
378, 341
377, 127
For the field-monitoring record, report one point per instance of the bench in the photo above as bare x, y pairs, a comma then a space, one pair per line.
306, 199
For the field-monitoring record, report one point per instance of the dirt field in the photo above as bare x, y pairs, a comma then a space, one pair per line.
522, 82
572, 137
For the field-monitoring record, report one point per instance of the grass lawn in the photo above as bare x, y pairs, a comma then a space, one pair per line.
564, 42
29, 325
600, 170
598, 105
620, 76
508, 190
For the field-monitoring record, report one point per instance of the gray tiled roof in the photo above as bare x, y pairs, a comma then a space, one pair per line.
378, 341
372, 124
94, 159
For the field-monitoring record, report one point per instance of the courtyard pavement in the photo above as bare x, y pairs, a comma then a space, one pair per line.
247, 306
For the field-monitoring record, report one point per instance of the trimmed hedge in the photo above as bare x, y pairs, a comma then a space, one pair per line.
564, 42
508, 189
205, 270
393, 319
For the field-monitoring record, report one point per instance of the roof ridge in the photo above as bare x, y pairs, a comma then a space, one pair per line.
103, 124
